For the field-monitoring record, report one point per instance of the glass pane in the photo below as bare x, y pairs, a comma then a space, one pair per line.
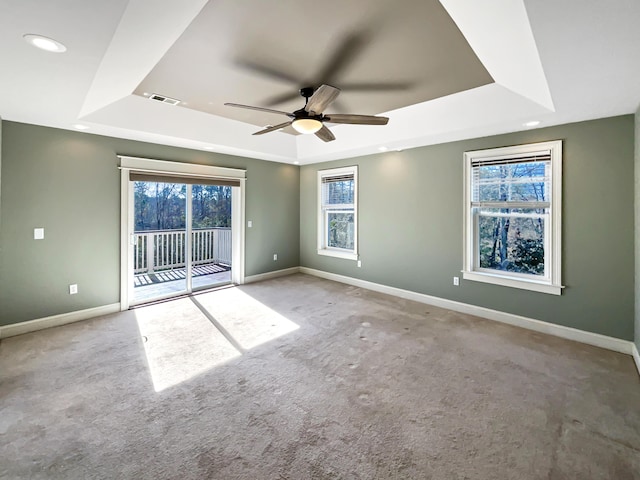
159, 206
340, 230
210, 235
512, 240
519, 182
338, 193
211, 206
160, 239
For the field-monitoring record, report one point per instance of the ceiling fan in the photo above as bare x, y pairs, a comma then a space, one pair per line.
311, 119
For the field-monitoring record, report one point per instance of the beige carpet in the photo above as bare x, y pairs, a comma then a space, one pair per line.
302, 378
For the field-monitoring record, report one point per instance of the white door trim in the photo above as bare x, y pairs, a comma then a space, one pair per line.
237, 232
160, 166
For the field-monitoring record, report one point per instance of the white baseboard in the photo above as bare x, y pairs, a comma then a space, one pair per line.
636, 357
56, 320
595, 339
268, 275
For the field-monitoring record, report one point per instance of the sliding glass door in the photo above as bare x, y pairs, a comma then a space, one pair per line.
181, 237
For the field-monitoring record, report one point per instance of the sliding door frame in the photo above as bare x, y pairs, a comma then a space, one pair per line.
176, 169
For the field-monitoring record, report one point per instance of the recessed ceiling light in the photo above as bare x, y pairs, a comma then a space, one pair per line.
208, 148
79, 126
532, 123
296, 163
383, 149
44, 43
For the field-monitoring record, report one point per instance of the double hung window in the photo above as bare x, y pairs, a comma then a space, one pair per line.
512, 216
337, 214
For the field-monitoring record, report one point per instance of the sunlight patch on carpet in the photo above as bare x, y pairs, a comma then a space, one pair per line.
247, 320
180, 342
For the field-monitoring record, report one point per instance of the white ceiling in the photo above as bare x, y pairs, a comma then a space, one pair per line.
555, 62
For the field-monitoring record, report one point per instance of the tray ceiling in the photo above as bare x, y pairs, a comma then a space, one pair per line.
225, 55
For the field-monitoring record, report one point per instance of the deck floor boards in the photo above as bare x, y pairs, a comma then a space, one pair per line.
148, 286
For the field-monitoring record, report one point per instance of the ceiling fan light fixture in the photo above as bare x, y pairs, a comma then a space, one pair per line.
306, 125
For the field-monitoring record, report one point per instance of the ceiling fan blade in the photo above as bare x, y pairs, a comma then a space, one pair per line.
268, 71
259, 109
376, 86
355, 119
325, 134
349, 49
274, 128
322, 98
285, 97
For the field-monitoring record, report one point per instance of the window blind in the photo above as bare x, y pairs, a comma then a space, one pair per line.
338, 178
180, 178
485, 162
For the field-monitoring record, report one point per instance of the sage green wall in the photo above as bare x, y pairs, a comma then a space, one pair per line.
411, 219
68, 183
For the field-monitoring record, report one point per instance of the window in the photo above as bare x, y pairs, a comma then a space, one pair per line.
512, 216
338, 213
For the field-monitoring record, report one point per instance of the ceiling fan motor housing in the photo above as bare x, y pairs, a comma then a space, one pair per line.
306, 92
303, 114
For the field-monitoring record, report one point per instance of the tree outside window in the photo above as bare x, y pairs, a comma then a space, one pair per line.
512, 216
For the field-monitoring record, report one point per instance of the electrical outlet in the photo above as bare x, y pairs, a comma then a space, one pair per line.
249, 224
275, 257
73, 289
456, 281
359, 263
38, 233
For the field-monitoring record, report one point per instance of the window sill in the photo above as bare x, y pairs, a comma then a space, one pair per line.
337, 254
504, 281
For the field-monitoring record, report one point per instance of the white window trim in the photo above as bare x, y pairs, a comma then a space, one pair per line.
554, 284
322, 248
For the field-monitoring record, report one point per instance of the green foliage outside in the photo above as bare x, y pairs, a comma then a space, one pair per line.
341, 229
511, 239
162, 206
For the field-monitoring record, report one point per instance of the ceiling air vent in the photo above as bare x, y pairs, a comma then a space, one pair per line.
163, 99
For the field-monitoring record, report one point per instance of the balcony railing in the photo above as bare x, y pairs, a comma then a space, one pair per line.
158, 250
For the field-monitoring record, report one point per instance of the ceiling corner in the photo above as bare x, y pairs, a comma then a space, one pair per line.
147, 29
500, 34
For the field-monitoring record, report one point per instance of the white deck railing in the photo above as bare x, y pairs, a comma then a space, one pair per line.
165, 249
